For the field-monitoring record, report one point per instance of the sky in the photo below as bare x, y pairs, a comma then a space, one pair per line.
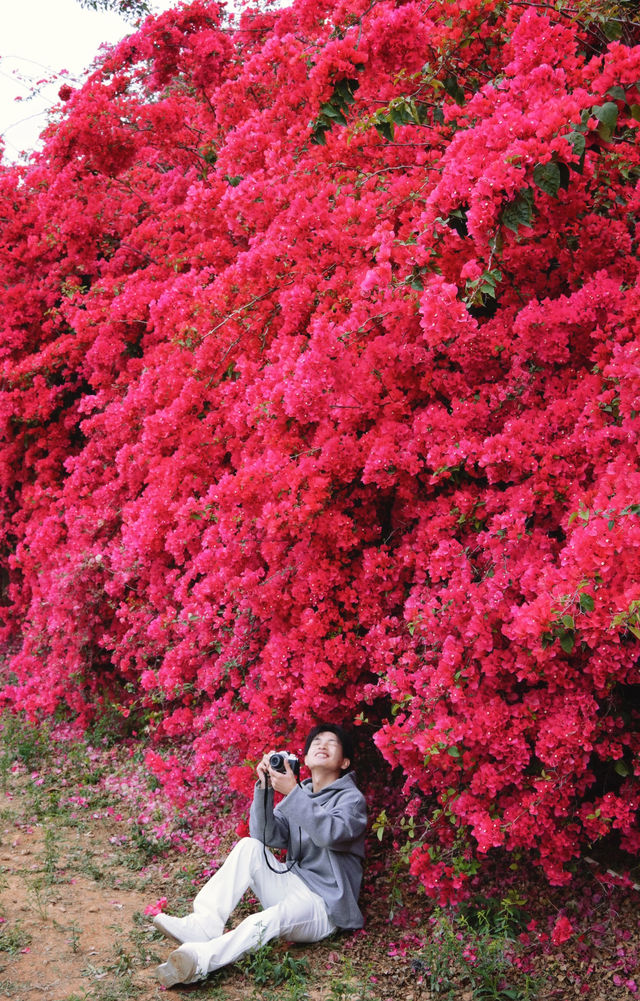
38, 40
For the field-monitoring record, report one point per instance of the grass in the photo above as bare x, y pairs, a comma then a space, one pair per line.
14, 938
60, 809
268, 967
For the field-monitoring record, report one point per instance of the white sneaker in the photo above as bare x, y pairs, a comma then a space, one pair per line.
180, 968
187, 929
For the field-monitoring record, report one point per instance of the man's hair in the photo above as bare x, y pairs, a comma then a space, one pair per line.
345, 740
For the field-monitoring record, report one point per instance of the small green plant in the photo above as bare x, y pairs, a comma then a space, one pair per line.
22, 743
346, 990
121, 988
124, 962
74, 940
504, 917
144, 938
108, 987
8, 989
38, 891
144, 848
13, 938
50, 860
266, 966
349, 986
475, 947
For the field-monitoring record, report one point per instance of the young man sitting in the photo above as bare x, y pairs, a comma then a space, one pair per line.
321, 822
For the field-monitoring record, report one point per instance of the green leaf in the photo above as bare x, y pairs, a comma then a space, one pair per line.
331, 111
519, 212
579, 144
403, 113
617, 93
586, 603
345, 88
385, 129
565, 174
453, 752
635, 111
567, 620
607, 115
567, 641
547, 176
622, 769
612, 30
233, 181
453, 88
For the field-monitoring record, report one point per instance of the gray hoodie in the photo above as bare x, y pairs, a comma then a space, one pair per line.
324, 834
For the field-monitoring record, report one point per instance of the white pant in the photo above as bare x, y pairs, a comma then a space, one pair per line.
291, 909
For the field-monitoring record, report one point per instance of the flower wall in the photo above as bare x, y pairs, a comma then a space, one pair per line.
320, 399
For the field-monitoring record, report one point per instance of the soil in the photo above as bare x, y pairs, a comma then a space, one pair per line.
72, 921
75, 885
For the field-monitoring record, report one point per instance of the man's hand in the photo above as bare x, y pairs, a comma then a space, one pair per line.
282, 783
262, 768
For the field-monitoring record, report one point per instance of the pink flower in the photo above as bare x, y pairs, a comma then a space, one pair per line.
562, 930
156, 908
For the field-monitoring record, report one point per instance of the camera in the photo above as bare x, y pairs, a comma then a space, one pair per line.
277, 760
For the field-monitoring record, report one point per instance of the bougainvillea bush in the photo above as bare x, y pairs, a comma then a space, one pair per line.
321, 397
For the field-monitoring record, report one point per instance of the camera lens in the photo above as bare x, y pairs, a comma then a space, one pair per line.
277, 762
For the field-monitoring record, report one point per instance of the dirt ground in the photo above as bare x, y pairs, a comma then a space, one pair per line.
73, 893
76, 923
78, 870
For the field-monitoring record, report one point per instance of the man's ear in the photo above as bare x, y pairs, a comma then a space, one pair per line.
345, 764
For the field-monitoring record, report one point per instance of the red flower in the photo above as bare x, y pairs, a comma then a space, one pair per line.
562, 930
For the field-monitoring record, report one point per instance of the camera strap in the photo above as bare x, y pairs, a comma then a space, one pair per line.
279, 872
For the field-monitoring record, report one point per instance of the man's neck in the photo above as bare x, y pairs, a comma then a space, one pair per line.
320, 778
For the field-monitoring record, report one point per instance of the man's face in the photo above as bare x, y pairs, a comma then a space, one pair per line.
325, 751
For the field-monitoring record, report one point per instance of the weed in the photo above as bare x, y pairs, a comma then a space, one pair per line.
124, 962
143, 937
340, 990
81, 859
13, 938
50, 860
504, 917
348, 987
9, 989
145, 848
22, 742
267, 966
39, 892
120, 988
75, 933
476, 952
